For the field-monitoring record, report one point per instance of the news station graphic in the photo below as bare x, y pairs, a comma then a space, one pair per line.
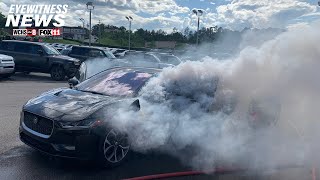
49, 32
28, 19
36, 32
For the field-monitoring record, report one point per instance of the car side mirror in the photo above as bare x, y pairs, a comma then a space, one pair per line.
135, 106
40, 52
73, 82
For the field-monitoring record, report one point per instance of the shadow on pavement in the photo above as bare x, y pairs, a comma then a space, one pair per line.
34, 77
25, 163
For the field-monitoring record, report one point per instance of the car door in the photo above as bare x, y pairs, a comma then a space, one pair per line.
39, 60
23, 56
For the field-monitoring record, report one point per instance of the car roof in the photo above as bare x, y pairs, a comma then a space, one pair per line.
131, 69
88, 47
27, 42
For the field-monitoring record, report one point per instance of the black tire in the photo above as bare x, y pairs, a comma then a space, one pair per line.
57, 73
114, 149
70, 76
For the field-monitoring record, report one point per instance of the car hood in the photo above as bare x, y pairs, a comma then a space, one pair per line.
68, 58
2, 56
67, 104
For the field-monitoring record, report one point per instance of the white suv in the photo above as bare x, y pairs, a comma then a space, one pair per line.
6, 65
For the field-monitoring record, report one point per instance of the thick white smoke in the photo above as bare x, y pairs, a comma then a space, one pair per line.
200, 112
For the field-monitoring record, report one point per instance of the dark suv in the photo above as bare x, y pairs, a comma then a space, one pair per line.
38, 57
84, 52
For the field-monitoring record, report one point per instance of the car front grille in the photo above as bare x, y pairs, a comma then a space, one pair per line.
38, 124
7, 60
8, 67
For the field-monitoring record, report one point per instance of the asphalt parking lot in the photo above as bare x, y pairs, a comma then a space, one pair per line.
18, 161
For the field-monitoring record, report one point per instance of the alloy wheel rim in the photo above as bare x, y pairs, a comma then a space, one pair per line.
57, 73
115, 147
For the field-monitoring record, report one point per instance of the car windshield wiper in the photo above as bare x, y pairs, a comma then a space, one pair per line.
93, 92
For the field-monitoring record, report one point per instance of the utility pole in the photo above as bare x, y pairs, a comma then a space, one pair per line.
129, 18
90, 7
99, 31
198, 13
83, 28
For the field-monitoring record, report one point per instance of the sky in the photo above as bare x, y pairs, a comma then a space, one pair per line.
169, 14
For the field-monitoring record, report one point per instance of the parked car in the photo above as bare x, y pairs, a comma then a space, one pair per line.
119, 52
7, 66
65, 51
92, 67
38, 57
75, 122
85, 52
165, 58
135, 59
64, 122
147, 60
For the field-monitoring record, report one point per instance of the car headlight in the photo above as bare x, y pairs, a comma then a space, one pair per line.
76, 63
82, 123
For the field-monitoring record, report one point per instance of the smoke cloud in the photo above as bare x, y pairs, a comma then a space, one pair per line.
204, 112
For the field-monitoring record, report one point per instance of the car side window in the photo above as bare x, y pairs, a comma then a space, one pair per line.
22, 48
34, 49
79, 51
151, 58
75, 50
65, 51
11, 46
7, 46
95, 53
4, 45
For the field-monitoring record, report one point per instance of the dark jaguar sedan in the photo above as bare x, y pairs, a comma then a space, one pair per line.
74, 123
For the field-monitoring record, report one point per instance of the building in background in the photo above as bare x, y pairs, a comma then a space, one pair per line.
75, 33
161, 44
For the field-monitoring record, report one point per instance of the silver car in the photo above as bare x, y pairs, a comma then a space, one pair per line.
7, 65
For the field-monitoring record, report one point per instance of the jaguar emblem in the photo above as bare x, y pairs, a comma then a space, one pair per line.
35, 120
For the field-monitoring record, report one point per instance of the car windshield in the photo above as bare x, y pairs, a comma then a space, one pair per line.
119, 50
169, 59
65, 51
50, 50
124, 82
109, 55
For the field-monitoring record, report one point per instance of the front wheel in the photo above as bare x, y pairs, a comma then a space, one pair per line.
114, 149
57, 73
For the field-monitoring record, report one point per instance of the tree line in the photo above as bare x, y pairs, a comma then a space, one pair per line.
140, 36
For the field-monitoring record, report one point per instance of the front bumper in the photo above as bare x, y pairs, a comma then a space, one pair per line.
71, 69
6, 68
78, 143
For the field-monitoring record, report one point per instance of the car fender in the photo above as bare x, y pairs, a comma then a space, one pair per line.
56, 63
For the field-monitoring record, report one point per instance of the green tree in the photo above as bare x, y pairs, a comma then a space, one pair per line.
3, 20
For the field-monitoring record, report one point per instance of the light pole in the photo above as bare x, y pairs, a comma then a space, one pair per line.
83, 22
99, 31
130, 19
90, 7
198, 13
